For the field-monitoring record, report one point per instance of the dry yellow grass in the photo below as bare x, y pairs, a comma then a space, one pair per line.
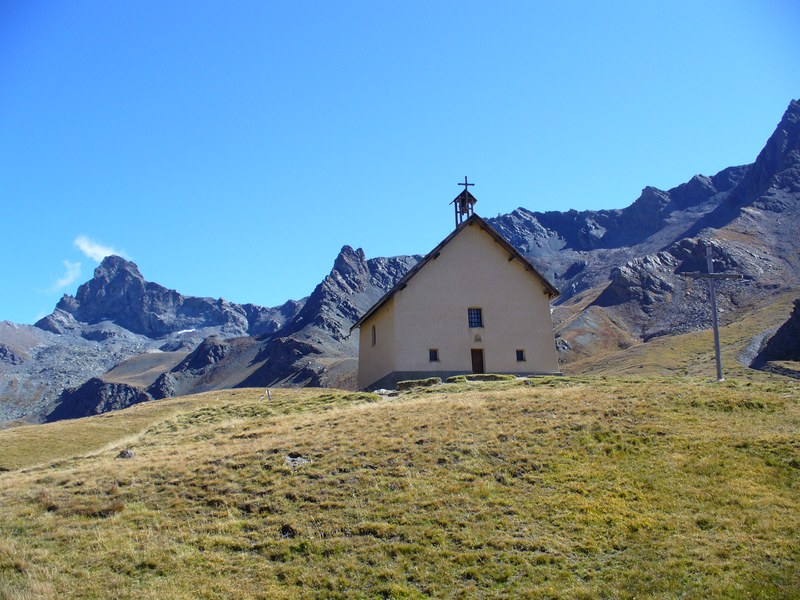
570, 487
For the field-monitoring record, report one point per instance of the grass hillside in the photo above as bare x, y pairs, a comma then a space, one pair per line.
566, 488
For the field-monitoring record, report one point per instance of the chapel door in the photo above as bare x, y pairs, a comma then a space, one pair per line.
477, 360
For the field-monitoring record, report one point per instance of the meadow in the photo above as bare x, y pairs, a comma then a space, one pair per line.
572, 487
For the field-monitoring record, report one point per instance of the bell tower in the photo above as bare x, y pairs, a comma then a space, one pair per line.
463, 203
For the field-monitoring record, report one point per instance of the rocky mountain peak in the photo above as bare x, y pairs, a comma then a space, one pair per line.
115, 278
351, 264
346, 292
776, 172
112, 266
118, 293
789, 127
783, 146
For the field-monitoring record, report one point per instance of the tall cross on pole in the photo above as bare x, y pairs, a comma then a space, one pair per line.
712, 277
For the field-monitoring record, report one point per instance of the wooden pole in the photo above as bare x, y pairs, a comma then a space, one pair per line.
714, 320
711, 276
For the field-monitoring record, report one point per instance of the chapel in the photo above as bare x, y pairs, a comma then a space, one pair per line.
474, 304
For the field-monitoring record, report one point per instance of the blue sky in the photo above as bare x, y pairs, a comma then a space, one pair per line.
231, 149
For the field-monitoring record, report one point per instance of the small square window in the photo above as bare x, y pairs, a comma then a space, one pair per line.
433, 355
475, 317
520, 355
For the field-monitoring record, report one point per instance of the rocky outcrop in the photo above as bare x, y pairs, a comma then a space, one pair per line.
59, 321
212, 350
286, 362
651, 279
650, 297
641, 280
784, 345
12, 357
216, 363
95, 397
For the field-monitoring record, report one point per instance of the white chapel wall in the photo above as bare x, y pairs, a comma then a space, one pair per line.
375, 361
474, 271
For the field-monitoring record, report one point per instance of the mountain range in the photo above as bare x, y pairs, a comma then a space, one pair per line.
122, 340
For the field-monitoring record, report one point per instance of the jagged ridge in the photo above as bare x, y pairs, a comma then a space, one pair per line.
118, 293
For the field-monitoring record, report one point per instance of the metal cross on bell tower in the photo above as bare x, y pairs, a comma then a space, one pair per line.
464, 202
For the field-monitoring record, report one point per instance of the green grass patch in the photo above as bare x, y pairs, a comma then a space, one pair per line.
480, 377
490, 377
414, 383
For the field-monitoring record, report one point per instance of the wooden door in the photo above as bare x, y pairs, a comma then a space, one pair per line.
477, 360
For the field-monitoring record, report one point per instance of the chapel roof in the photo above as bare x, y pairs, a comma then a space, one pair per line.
474, 219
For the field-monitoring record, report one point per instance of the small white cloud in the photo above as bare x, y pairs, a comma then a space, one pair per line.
95, 250
73, 271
